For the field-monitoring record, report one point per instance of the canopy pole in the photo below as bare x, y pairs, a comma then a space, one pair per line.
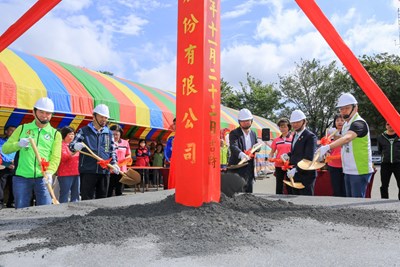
33, 15
352, 64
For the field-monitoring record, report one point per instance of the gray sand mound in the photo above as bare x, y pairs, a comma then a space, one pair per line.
245, 220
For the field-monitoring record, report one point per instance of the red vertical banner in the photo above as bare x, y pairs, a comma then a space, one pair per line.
196, 144
350, 61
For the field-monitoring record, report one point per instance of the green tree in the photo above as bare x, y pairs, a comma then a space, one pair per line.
262, 99
229, 96
314, 89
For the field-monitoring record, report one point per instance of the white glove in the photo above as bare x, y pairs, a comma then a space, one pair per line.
115, 169
322, 151
290, 173
23, 142
48, 178
78, 146
285, 157
243, 155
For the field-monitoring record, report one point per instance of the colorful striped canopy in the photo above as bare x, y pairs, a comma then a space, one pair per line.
143, 111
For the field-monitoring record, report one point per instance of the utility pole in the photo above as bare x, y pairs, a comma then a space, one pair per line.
397, 42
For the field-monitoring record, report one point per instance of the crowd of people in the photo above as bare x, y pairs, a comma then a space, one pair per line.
34, 153
65, 154
347, 154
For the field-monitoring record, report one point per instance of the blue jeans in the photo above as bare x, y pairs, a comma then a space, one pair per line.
23, 189
69, 184
356, 185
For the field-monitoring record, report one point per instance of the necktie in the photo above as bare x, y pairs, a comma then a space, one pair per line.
296, 136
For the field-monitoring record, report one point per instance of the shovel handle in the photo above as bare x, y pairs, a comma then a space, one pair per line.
252, 151
332, 134
93, 155
39, 158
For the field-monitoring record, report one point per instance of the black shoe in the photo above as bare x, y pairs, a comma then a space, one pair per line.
10, 205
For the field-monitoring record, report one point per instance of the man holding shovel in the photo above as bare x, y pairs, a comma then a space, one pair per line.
356, 148
98, 138
29, 173
304, 145
241, 141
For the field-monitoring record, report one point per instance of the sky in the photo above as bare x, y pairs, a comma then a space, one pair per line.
137, 40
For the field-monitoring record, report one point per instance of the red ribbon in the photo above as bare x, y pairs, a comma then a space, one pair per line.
103, 163
248, 153
286, 166
325, 141
279, 161
44, 165
329, 158
125, 162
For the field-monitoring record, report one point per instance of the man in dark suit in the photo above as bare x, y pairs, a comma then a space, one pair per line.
304, 145
242, 139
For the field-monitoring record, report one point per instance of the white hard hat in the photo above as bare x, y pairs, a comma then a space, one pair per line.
297, 115
45, 104
102, 110
345, 100
244, 115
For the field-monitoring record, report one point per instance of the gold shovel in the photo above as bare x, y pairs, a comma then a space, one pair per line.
243, 162
131, 177
39, 159
292, 183
237, 166
309, 165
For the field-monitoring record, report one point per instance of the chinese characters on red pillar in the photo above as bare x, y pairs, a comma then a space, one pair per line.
198, 101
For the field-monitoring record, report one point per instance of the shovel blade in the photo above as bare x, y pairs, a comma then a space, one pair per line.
131, 177
309, 165
294, 184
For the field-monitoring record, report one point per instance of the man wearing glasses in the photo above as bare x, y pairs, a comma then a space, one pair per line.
356, 147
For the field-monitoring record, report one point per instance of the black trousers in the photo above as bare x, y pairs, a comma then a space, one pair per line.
247, 173
337, 181
280, 176
6, 184
307, 178
387, 169
115, 184
94, 185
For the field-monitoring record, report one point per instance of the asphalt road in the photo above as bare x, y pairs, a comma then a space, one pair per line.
299, 242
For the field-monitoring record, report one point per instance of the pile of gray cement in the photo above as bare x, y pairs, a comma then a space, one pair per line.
244, 220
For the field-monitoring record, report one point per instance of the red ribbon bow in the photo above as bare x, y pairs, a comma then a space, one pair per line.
44, 165
325, 141
103, 163
248, 153
286, 166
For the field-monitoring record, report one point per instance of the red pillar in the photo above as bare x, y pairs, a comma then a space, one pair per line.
196, 144
350, 61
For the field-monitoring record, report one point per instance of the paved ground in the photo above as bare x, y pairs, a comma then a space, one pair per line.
267, 186
297, 242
